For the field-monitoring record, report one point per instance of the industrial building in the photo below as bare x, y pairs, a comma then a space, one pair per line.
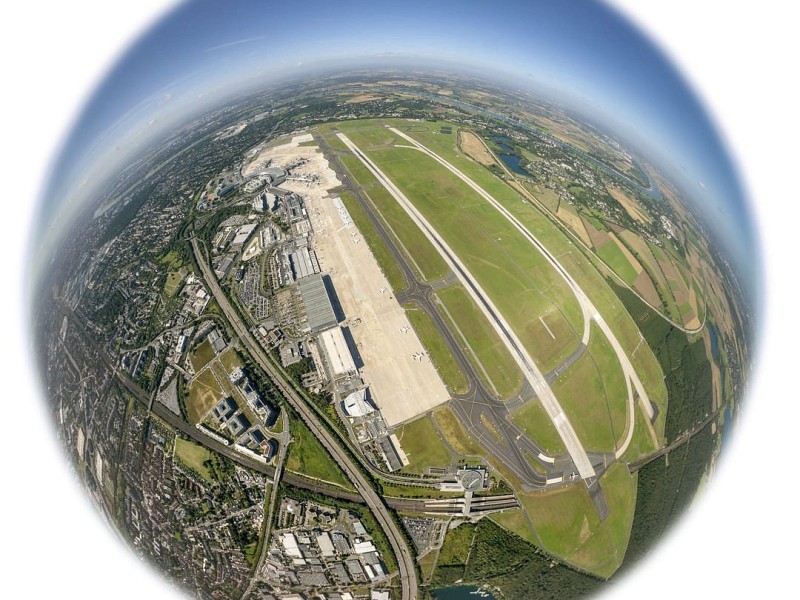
317, 303
217, 341
223, 266
243, 234
340, 360
303, 263
393, 454
325, 544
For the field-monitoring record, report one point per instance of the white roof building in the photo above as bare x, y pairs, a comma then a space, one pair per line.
325, 545
290, 545
339, 357
364, 547
356, 405
243, 234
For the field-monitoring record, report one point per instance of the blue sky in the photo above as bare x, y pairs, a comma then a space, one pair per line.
205, 49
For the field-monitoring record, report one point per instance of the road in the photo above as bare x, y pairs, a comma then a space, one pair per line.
269, 515
405, 561
531, 372
589, 310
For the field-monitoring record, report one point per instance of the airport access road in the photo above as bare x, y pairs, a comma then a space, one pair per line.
590, 312
526, 364
405, 561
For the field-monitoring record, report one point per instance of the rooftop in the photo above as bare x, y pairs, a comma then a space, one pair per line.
317, 303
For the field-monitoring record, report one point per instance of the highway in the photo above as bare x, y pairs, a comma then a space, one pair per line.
405, 561
589, 310
525, 362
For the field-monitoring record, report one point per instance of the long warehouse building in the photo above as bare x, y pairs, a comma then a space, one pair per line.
317, 303
338, 353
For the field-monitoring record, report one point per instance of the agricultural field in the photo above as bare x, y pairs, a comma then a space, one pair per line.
473, 147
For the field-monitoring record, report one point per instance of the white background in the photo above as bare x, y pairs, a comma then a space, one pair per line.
738, 541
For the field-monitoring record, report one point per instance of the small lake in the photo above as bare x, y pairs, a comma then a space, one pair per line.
504, 143
714, 335
461, 592
512, 161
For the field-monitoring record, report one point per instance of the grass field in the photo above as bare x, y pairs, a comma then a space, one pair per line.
222, 377
568, 526
204, 392
516, 521
626, 330
230, 359
193, 456
497, 367
455, 434
379, 250
173, 282
581, 394
308, 457
423, 446
201, 355
612, 378
427, 563
532, 418
440, 354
